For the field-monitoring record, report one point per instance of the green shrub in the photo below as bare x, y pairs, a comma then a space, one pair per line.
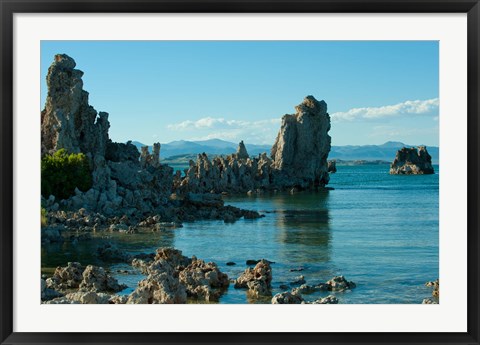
63, 172
43, 218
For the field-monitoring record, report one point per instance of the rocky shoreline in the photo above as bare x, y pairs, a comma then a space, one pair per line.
172, 278
189, 208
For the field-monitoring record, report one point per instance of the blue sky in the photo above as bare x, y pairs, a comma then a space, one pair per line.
162, 91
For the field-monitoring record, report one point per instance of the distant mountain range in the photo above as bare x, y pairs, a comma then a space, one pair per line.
385, 152
211, 147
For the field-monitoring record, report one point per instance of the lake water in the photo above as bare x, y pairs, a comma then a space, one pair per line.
376, 229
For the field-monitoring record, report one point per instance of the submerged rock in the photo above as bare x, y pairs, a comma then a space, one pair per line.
204, 200
339, 283
412, 161
111, 253
300, 280
309, 289
254, 262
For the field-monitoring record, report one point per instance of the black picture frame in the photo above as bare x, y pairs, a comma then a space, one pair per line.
10, 7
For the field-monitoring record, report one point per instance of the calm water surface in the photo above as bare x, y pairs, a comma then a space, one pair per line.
379, 230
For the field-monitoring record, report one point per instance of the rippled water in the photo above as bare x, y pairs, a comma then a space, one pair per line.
379, 230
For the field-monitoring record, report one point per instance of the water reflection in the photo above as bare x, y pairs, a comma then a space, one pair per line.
59, 254
303, 227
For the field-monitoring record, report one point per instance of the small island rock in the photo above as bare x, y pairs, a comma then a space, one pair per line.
412, 161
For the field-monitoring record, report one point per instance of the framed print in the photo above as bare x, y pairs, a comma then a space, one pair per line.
193, 165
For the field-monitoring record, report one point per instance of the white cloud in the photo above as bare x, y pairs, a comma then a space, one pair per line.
219, 123
255, 132
425, 107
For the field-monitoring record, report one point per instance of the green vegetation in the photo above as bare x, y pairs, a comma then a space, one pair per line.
44, 217
63, 172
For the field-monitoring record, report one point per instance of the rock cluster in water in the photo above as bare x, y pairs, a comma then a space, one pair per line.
336, 284
412, 161
171, 279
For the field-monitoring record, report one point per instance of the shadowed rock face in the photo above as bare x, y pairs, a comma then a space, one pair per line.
301, 149
69, 122
412, 161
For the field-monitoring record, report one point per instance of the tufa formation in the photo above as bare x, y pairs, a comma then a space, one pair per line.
301, 149
298, 159
412, 161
